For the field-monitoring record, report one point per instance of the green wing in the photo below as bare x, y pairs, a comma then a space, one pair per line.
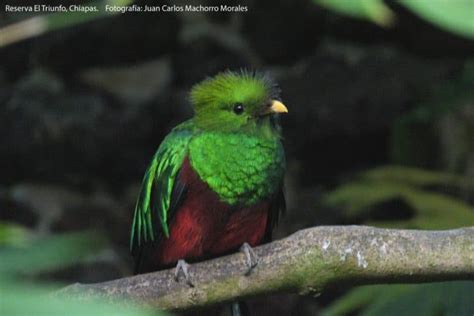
158, 187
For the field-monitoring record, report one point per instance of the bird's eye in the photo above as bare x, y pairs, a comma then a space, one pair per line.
238, 108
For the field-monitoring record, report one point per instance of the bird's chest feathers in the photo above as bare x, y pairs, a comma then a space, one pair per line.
241, 169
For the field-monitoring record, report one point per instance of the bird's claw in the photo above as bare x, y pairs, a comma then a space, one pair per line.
182, 268
251, 258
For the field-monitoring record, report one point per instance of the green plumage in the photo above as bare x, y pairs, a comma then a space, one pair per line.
238, 154
242, 168
159, 181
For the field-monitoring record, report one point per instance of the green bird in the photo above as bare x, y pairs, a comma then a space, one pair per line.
214, 185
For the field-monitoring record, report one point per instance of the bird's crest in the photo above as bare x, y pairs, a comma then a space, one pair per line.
233, 86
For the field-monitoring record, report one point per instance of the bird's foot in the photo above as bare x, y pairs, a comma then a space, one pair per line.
182, 268
251, 258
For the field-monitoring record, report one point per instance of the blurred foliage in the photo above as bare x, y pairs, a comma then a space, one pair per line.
418, 137
419, 177
24, 256
373, 10
12, 234
447, 299
454, 16
49, 253
376, 193
432, 200
19, 299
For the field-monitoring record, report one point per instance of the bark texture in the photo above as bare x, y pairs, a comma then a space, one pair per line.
305, 262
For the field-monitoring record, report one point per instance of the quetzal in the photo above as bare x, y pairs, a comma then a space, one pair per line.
215, 182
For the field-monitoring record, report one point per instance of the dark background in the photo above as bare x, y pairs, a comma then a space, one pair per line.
82, 110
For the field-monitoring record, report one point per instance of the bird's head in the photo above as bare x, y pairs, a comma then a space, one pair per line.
233, 101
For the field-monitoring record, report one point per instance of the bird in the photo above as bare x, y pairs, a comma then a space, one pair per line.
215, 184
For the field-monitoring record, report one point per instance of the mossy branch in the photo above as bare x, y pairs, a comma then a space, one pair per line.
305, 262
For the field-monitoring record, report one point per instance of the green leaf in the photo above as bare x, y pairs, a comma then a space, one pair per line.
50, 253
12, 234
456, 16
418, 177
372, 10
452, 15
432, 210
361, 297
22, 299
444, 298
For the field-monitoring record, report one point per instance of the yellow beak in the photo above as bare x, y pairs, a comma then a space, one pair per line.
277, 107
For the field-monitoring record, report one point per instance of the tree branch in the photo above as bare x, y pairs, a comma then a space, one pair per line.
305, 263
